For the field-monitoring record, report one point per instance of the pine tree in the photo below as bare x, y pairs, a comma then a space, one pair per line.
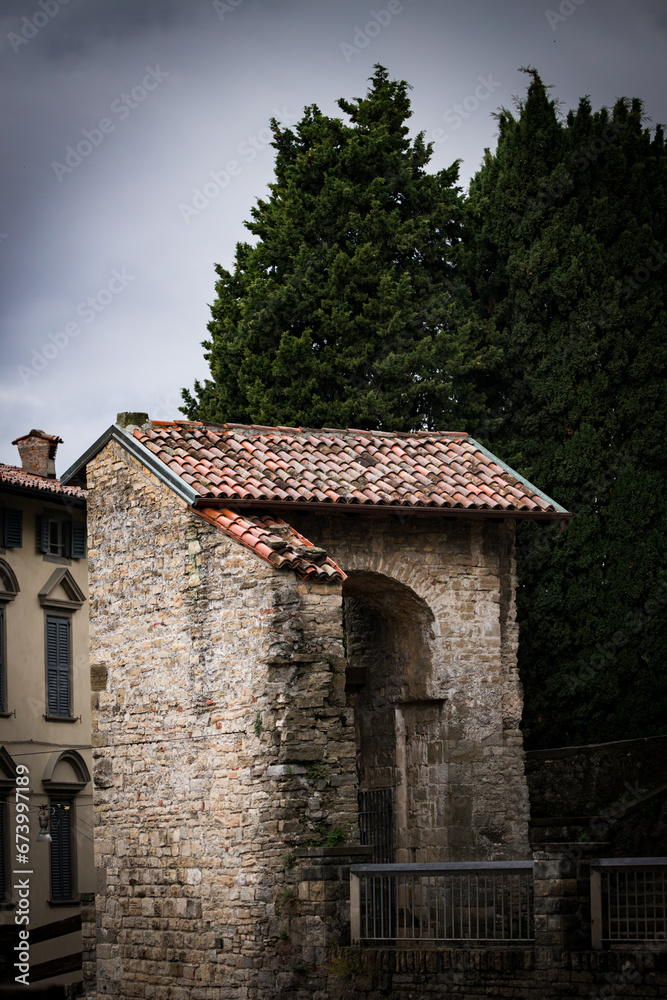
567, 253
346, 311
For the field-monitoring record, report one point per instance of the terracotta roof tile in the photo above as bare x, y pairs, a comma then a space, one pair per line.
11, 475
275, 541
437, 470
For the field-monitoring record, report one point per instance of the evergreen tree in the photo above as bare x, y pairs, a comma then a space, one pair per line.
346, 311
567, 253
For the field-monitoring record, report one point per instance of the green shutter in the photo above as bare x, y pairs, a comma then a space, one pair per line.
78, 540
2, 673
57, 666
3, 873
62, 882
13, 528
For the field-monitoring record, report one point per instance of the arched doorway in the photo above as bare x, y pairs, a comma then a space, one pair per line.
389, 635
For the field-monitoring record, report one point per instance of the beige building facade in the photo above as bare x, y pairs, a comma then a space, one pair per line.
45, 758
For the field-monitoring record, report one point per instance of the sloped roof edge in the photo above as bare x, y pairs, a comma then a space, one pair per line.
522, 479
138, 451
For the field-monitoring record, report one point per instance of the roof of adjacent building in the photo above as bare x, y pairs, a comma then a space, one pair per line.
14, 477
250, 464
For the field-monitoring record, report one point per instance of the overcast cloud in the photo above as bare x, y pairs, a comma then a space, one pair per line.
115, 111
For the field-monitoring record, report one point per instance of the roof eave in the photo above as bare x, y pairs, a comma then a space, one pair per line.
142, 454
320, 507
35, 493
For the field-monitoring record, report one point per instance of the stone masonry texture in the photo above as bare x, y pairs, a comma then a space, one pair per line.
227, 749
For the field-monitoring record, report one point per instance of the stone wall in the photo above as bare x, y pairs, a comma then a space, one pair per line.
372, 974
226, 748
611, 793
581, 781
221, 743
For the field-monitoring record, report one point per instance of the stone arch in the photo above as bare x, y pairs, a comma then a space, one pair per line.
386, 618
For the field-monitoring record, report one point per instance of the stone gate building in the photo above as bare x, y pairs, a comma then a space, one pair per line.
282, 619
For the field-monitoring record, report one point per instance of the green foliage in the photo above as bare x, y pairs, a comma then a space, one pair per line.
317, 772
328, 838
345, 966
533, 315
286, 901
566, 252
259, 725
346, 311
302, 968
289, 860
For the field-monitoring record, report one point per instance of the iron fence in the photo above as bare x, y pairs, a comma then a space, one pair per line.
628, 900
449, 901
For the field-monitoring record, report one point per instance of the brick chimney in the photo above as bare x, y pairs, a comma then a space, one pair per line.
38, 453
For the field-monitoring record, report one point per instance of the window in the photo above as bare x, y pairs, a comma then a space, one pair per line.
62, 868
61, 536
58, 666
12, 528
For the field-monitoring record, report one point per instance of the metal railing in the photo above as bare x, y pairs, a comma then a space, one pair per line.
628, 900
442, 902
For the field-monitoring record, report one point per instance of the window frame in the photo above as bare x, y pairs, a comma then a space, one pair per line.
71, 542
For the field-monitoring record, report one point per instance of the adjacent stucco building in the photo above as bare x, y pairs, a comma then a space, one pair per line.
44, 718
283, 622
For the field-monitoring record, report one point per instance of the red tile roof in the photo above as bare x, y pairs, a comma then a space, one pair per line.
11, 475
278, 543
235, 463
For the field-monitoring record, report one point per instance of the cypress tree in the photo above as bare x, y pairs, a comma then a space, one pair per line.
346, 311
567, 252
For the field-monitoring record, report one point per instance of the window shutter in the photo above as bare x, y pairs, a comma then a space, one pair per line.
3, 873
62, 883
57, 666
44, 533
13, 528
2, 682
78, 540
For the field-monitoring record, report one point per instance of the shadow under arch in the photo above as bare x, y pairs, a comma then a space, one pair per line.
390, 637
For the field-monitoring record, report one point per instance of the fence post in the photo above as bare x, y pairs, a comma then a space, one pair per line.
596, 909
355, 909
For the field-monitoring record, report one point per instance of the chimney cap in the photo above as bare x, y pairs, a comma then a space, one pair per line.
51, 438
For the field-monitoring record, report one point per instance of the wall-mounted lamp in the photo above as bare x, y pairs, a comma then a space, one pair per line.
43, 837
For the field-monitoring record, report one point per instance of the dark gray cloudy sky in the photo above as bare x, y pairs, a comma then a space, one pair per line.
114, 112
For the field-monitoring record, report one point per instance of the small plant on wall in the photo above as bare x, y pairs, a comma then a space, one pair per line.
330, 838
